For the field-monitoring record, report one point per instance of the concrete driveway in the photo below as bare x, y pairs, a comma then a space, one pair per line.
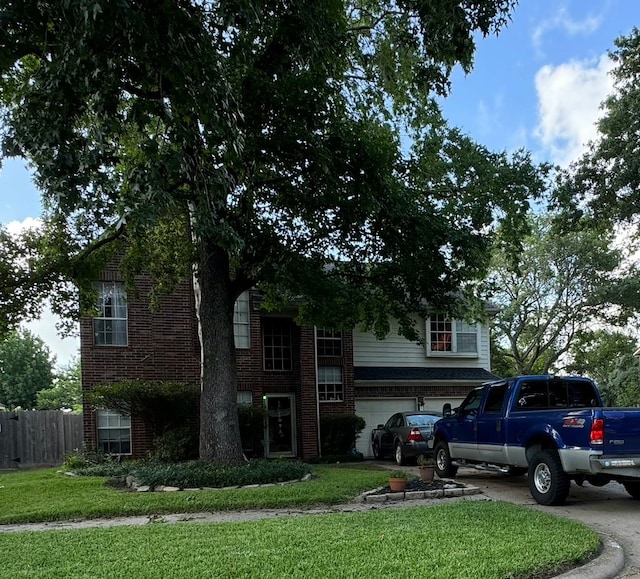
609, 510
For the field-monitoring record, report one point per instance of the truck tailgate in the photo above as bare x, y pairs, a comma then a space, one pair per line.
621, 431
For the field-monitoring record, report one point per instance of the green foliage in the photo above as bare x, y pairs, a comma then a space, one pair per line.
338, 433
279, 133
178, 444
609, 359
549, 294
26, 367
66, 392
162, 405
197, 474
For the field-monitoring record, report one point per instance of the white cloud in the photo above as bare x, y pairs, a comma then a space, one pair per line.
16, 227
562, 20
569, 98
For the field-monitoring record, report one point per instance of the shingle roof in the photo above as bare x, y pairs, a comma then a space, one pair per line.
386, 373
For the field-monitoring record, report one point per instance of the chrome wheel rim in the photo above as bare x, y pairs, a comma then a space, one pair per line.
542, 478
441, 460
398, 454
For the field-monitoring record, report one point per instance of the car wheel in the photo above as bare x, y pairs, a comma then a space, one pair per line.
548, 483
376, 451
444, 468
633, 488
400, 460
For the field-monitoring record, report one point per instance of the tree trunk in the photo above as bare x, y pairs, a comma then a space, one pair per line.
219, 427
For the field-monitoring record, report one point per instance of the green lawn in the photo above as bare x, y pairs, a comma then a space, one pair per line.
448, 540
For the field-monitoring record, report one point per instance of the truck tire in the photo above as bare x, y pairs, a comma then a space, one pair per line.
444, 468
399, 455
548, 483
633, 488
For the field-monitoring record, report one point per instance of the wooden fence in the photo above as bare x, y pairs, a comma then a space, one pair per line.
39, 438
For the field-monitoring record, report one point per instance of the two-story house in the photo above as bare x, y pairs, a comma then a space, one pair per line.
298, 374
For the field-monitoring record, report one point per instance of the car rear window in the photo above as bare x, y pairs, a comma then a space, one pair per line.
421, 419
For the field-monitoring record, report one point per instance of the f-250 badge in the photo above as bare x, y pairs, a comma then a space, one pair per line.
573, 423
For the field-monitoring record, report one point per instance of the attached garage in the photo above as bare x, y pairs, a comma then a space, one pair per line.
377, 411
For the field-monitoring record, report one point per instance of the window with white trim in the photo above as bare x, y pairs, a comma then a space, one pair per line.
446, 337
114, 432
110, 325
241, 321
330, 384
329, 342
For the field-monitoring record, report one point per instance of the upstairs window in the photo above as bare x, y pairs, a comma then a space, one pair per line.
241, 321
446, 337
110, 325
329, 342
277, 349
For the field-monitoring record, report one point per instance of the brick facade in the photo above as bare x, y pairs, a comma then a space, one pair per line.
164, 345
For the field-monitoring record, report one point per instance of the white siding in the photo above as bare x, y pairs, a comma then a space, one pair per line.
398, 352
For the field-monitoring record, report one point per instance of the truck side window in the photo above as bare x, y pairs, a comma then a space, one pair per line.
581, 394
533, 395
495, 398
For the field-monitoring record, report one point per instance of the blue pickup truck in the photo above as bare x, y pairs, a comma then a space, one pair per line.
554, 428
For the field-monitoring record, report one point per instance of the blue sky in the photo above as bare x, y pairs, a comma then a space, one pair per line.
537, 86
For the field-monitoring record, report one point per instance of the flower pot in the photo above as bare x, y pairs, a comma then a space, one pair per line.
397, 485
426, 473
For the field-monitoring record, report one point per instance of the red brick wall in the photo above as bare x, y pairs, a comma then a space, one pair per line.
164, 345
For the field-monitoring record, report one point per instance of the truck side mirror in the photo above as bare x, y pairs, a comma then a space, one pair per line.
446, 410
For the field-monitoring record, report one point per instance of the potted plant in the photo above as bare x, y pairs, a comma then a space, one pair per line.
397, 481
426, 467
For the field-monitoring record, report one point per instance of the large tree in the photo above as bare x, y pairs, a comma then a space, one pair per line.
555, 290
609, 358
275, 133
26, 367
65, 392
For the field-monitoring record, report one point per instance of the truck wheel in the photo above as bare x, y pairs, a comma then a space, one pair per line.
400, 460
548, 483
444, 468
633, 488
376, 451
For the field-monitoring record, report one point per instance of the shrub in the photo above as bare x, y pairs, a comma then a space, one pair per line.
199, 473
338, 433
176, 445
162, 405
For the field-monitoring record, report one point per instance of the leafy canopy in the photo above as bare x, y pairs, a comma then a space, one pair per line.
26, 367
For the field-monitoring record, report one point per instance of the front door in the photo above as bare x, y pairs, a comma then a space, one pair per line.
280, 429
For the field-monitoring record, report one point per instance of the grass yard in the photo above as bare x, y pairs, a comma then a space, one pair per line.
444, 540
45, 495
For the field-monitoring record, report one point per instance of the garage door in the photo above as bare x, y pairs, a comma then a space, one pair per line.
378, 411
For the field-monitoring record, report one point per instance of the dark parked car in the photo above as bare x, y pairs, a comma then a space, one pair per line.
406, 435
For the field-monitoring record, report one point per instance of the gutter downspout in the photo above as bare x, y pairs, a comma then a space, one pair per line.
315, 365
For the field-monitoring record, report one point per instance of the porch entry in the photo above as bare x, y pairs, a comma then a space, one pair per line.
280, 425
